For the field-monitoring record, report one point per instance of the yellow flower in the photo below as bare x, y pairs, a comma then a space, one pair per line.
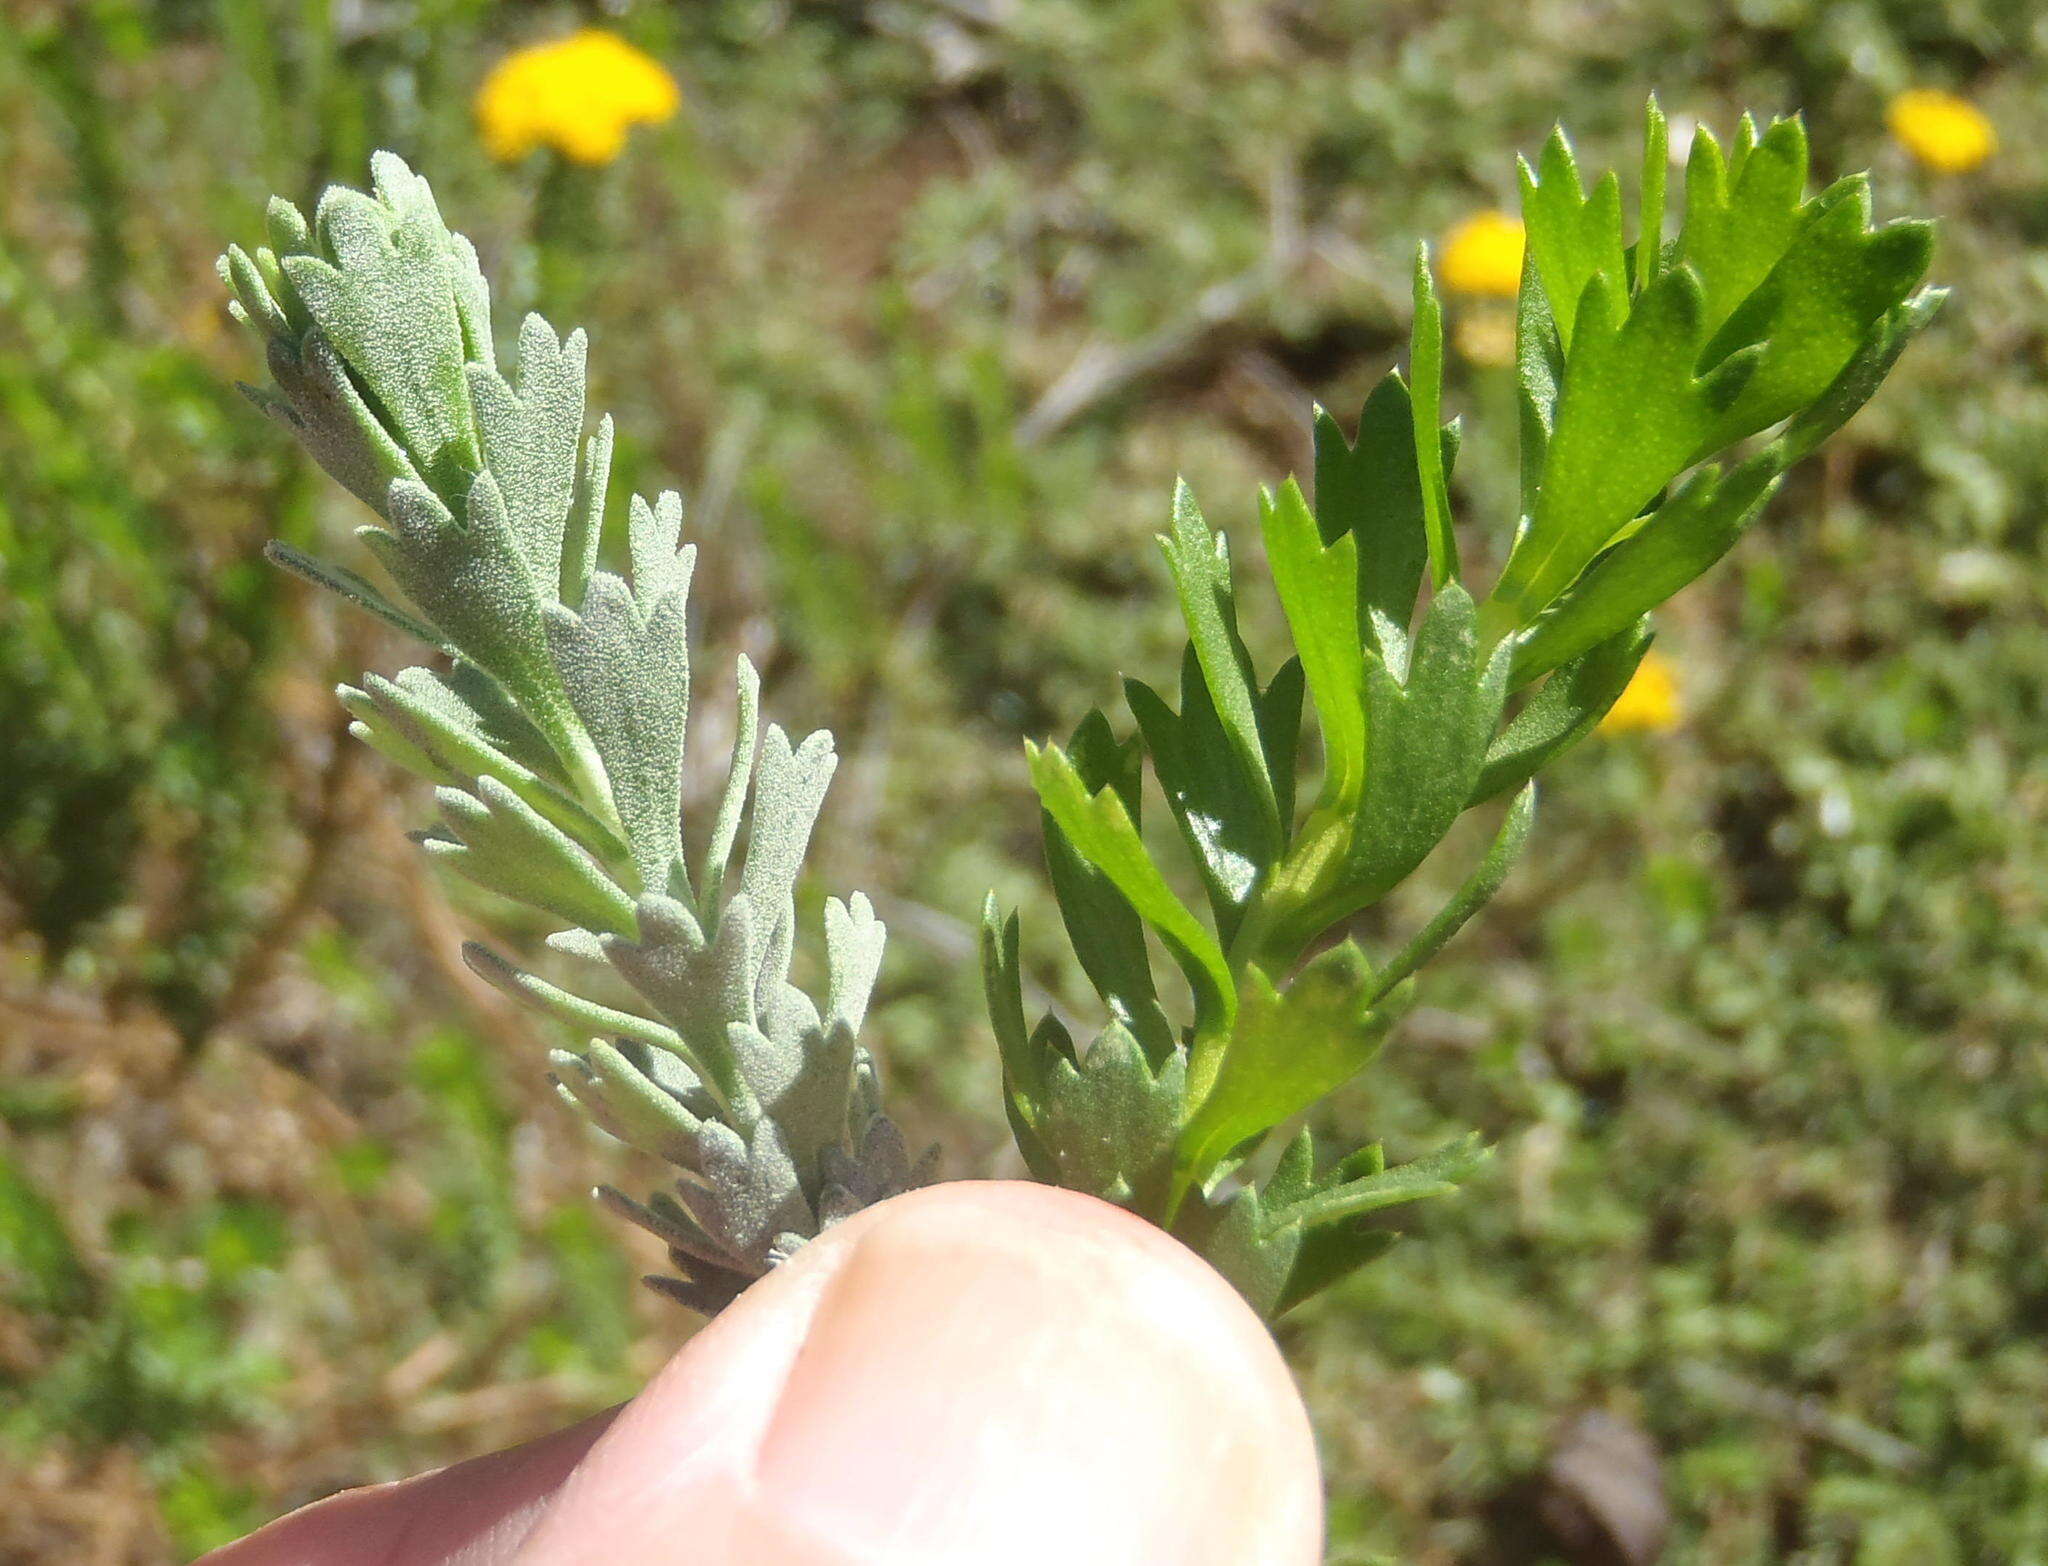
1941, 131
1486, 335
579, 95
1650, 704
1483, 255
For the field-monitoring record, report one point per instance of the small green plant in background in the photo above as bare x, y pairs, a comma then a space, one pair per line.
1665, 388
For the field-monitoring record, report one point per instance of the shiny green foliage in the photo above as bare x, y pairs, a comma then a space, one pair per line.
1768, 305
1639, 365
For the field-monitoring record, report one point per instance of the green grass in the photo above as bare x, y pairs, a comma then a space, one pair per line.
284, 1201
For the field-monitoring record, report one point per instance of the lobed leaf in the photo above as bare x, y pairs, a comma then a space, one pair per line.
1740, 216
1563, 712
1426, 745
1096, 822
1200, 563
1318, 588
1630, 417
1426, 366
1289, 1048
1816, 308
502, 843
1371, 492
1474, 895
1573, 238
1107, 934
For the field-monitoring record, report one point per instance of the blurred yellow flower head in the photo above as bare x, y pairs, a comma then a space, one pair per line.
1942, 132
579, 95
1483, 255
1486, 336
1650, 704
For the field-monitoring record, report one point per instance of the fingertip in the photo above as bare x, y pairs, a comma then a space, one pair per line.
992, 1371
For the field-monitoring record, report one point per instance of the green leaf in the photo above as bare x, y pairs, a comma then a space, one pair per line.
1280, 735
1573, 237
1206, 790
1816, 308
1318, 588
1860, 378
1327, 1253
1262, 1244
1200, 562
1739, 218
1110, 1118
1650, 234
1563, 712
1106, 932
1539, 372
1680, 539
1101, 831
1436, 1174
1002, 976
1426, 743
1426, 365
1631, 416
1373, 492
1288, 1049
1478, 889
1703, 519
1257, 1257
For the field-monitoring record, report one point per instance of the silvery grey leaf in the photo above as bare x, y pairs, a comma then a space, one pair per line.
578, 943
661, 564
669, 1223
588, 1015
707, 1297
323, 407
384, 301
530, 434
629, 683
757, 1189
854, 939
732, 803
556, 736
789, 789
586, 514
501, 842
428, 713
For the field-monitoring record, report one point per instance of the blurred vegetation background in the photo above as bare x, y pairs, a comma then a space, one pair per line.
924, 302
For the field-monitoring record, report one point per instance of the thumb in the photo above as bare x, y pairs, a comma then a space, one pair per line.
996, 1372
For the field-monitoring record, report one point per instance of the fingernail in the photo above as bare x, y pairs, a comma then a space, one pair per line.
1057, 1383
